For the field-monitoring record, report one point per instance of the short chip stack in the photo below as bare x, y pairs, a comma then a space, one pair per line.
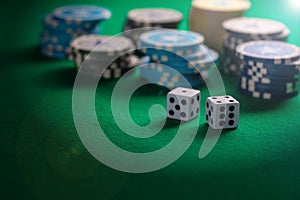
241, 30
67, 23
207, 16
103, 54
270, 69
182, 51
146, 19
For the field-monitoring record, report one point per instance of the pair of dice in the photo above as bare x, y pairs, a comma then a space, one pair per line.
221, 111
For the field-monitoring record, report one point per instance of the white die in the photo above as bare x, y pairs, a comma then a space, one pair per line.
222, 112
183, 104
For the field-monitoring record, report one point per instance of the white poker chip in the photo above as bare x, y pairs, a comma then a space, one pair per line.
155, 15
102, 44
253, 26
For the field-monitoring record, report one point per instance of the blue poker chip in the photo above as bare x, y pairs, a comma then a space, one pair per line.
170, 81
273, 70
192, 67
50, 37
164, 74
163, 55
52, 53
81, 13
52, 24
262, 77
179, 42
268, 95
270, 84
268, 51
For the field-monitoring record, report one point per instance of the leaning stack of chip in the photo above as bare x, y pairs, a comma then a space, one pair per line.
240, 30
110, 56
67, 23
270, 69
146, 19
183, 51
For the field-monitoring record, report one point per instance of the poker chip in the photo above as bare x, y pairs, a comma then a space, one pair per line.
154, 16
161, 74
207, 16
253, 26
81, 13
179, 42
242, 30
268, 52
270, 69
65, 24
142, 20
111, 56
164, 55
103, 46
182, 51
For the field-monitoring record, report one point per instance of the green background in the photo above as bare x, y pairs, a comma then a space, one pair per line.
42, 156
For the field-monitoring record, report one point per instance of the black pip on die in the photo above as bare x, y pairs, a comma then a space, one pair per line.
183, 104
222, 112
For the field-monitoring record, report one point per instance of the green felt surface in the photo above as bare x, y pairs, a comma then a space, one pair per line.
42, 156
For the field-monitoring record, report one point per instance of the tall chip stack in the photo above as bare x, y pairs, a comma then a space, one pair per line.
270, 69
207, 16
107, 56
146, 19
241, 30
67, 23
173, 53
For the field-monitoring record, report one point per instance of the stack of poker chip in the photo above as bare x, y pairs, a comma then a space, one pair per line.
182, 51
147, 19
107, 56
241, 30
207, 16
270, 69
67, 23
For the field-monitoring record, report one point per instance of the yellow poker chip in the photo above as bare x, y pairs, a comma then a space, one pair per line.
222, 5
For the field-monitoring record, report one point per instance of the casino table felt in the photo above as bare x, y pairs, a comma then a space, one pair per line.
42, 156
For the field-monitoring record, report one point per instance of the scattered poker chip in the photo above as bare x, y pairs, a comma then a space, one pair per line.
179, 42
81, 13
269, 52
66, 23
147, 19
242, 30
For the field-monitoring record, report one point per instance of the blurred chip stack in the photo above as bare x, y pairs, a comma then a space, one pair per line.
67, 23
174, 53
97, 54
147, 19
207, 16
241, 30
270, 69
